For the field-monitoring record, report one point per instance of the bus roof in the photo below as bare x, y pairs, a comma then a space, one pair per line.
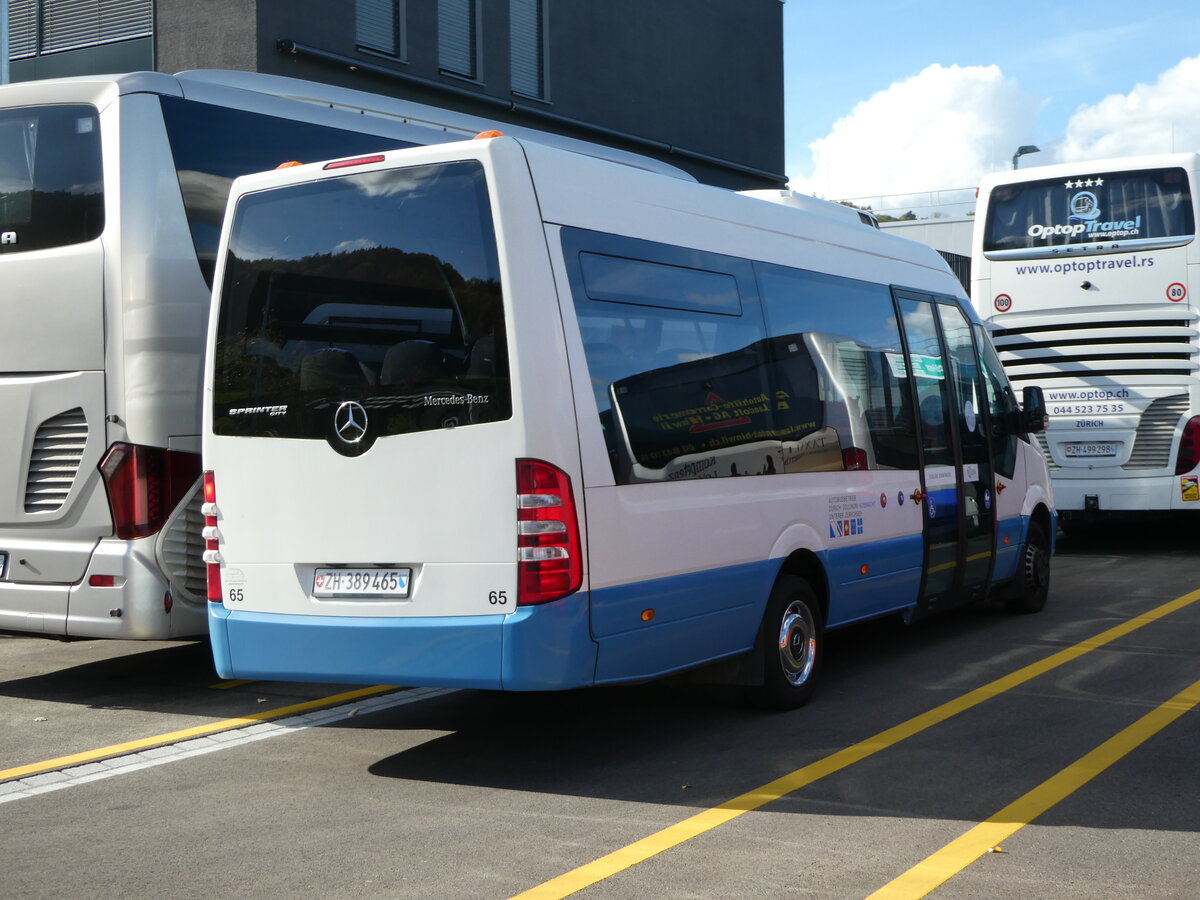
1114, 164
219, 86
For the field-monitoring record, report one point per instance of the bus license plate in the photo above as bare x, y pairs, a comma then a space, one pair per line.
1090, 450
391, 583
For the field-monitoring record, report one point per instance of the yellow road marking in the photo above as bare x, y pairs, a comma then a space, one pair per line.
673, 835
226, 685
943, 865
196, 731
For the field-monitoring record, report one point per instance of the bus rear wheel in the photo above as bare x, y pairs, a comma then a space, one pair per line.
791, 645
1034, 576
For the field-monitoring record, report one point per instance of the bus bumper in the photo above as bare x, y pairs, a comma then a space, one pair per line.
535, 648
1127, 493
130, 603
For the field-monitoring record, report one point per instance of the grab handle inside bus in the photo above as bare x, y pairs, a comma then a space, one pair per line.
1033, 410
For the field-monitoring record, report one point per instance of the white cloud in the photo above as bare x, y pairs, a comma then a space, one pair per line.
361, 243
1163, 117
941, 128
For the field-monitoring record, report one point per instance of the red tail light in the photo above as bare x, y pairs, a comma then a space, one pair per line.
144, 486
1189, 447
550, 558
212, 543
854, 459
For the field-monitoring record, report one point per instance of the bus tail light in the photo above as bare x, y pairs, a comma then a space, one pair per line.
549, 552
1189, 447
212, 541
144, 485
854, 459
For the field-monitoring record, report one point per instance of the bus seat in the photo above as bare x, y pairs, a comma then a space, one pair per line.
330, 368
413, 364
481, 358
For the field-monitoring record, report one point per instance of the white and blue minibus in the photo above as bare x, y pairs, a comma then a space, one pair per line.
494, 414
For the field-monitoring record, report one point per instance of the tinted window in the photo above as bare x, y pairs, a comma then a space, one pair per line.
849, 328
1150, 205
380, 288
929, 378
1002, 407
636, 281
213, 145
51, 180
701, 385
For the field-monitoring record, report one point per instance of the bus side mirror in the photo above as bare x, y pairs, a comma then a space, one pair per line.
1033, 410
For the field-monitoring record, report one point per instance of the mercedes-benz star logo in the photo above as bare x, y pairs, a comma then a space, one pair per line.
350, 422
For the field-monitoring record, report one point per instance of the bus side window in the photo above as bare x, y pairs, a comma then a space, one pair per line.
851, 329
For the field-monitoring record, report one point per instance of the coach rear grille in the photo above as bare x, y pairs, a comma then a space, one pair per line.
180, 550
54, 461
1050, 463
1120, 347
1156, 433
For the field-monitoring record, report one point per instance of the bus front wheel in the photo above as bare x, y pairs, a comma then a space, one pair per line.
1034, 576
791, 645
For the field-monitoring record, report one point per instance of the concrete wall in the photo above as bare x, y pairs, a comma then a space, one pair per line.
214, 34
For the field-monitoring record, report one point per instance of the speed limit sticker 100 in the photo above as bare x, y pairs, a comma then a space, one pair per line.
1003, 303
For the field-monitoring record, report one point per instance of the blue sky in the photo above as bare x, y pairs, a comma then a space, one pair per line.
902, 96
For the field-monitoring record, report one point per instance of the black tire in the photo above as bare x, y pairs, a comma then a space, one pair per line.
791, 645
1034, 575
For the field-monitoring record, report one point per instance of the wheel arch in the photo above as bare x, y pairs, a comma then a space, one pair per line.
804, 563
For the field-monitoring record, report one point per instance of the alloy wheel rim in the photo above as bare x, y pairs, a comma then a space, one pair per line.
797, 643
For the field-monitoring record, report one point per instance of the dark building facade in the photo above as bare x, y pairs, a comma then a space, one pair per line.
697, 83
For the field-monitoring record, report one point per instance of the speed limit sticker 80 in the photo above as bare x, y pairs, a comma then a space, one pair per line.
1176, 292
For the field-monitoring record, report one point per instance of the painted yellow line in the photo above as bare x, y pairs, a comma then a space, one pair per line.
943, 865
197, 731
226, 685
639, 851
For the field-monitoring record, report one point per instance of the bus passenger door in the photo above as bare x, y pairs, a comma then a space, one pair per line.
978, 479
955, 464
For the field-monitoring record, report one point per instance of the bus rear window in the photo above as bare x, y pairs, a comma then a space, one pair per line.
381, 288
1145, 208
51, 179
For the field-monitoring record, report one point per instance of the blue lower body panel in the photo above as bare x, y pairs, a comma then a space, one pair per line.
536, 648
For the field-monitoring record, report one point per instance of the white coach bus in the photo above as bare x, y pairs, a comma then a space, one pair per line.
493, 414
112, 190
1087, 274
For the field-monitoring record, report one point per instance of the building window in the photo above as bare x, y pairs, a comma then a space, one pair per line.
39, 27
458, 38
527, 46
380, 27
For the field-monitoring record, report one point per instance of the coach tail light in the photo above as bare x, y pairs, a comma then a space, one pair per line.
1189, 447
549, 555
144, 485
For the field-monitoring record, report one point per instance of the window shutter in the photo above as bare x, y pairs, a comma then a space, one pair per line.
121, 20
22, 28
377, 26
526, 43
456, 37
70, 24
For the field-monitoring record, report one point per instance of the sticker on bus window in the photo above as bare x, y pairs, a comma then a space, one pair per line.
1189, 487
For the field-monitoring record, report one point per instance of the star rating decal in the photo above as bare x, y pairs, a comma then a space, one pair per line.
1091, 182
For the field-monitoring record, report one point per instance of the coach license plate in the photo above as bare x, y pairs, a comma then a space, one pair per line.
389, 583
1076, 451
